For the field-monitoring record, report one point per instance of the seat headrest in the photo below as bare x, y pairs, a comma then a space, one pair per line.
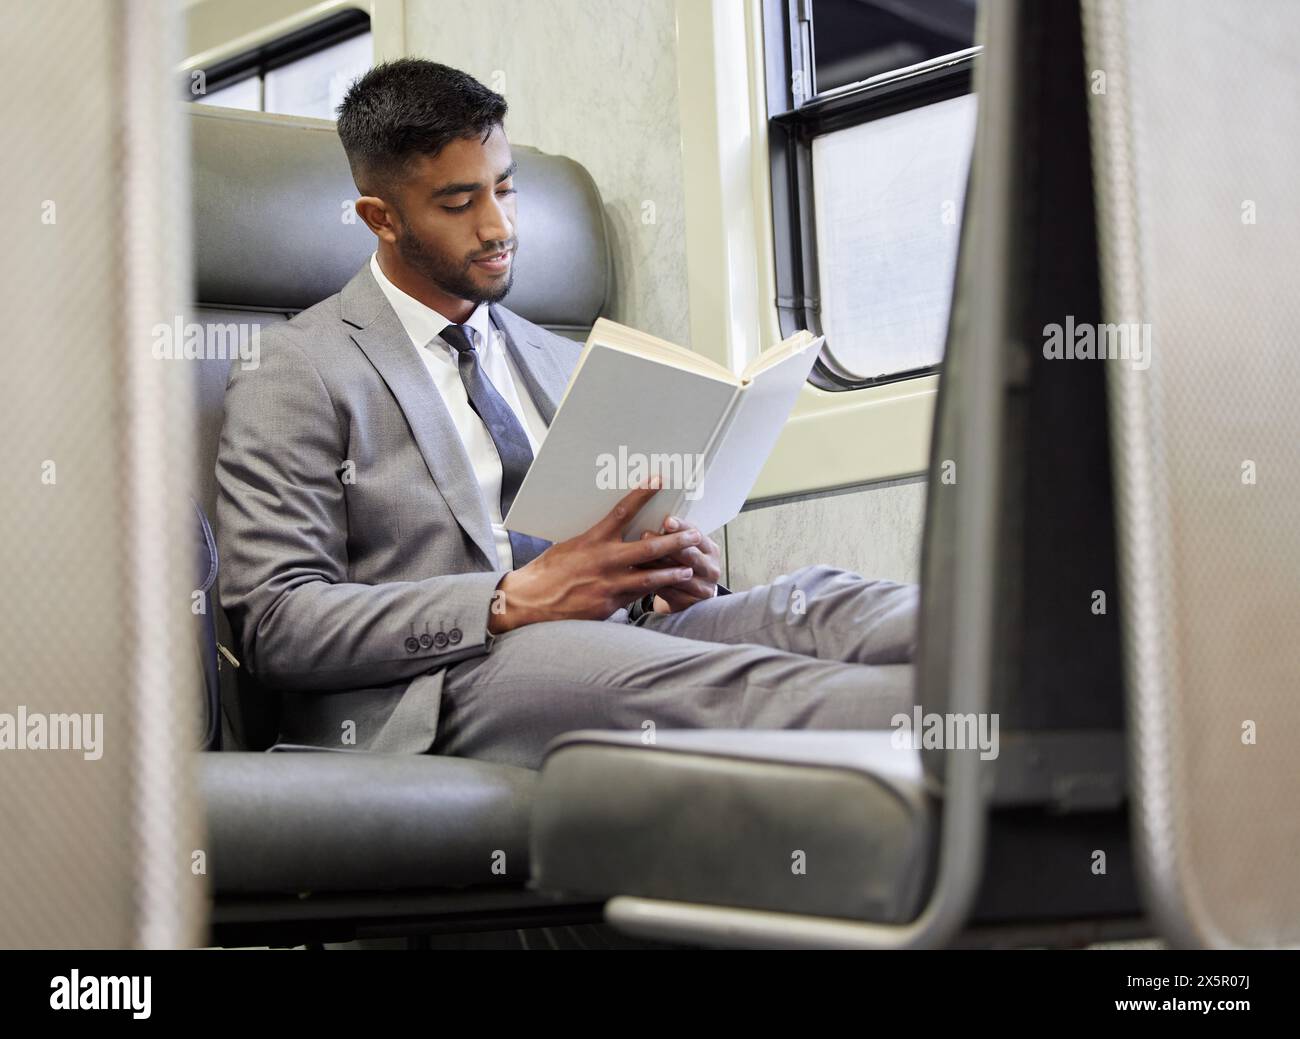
273, 227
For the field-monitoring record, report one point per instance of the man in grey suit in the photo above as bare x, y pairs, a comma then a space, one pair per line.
365, 465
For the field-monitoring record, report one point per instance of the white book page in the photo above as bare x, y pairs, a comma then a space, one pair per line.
623, 417
764, 405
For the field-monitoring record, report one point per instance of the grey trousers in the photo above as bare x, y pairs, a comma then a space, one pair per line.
820, 648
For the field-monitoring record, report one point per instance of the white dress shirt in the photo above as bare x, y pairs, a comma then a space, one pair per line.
424, 325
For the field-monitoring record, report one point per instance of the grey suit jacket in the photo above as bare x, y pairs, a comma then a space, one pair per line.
357, 558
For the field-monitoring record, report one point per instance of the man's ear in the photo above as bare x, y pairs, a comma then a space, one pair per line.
379, 216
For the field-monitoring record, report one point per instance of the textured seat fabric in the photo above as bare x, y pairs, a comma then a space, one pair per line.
830, 823
1207, 485
323, 821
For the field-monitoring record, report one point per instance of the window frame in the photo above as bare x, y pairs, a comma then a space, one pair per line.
794, 120
279, 52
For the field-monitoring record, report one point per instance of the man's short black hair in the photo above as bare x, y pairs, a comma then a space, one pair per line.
410, 107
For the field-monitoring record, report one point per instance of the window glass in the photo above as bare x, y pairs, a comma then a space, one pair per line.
315, 85
888, 197
246, 94
854, 40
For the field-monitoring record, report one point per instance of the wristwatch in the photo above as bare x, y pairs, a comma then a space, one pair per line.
644, 605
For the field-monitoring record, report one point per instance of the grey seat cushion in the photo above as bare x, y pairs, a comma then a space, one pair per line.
727, 817
296, 822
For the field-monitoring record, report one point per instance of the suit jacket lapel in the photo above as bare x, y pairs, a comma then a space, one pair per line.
545, 375
380, 334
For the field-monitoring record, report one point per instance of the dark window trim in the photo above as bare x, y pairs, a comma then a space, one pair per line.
283, 50
794, 120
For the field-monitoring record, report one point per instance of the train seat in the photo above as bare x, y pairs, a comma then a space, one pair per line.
310, 845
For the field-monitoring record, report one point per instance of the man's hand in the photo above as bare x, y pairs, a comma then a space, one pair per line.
705, 561
592, 575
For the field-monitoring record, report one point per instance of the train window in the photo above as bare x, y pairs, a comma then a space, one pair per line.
303, 73
871, 125
246, 94
887, 204
314, 85
855, 40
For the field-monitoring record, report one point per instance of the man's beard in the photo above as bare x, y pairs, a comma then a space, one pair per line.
450, 276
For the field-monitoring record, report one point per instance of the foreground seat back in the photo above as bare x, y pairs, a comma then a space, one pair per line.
1022, 606
275, 232
1196, 160
1020, 602
1018, 542
94, 634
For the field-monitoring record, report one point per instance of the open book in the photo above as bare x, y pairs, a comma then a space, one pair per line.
639, 407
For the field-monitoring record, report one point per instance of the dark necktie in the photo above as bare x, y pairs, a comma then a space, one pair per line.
504, 428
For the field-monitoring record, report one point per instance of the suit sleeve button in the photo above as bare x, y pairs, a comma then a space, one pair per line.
412, 644
425, 641
454, 636
440, 640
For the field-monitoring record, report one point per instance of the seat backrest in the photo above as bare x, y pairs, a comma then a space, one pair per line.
1054, 669
1018, 620
1114, 565
1197, 157
274, 233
